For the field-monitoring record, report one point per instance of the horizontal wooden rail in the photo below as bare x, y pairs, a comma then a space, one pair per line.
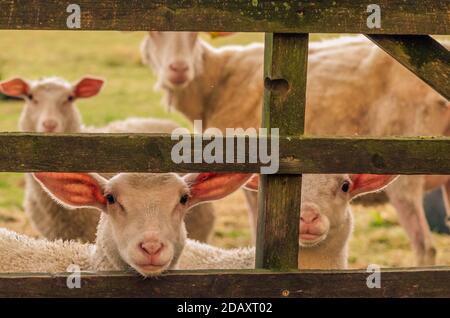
422, 55
421, 282
20, 152
327, 16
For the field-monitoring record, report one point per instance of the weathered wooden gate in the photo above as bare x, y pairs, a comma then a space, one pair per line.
403, 34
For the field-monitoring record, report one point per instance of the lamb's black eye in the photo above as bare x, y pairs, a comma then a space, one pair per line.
30, 96
70, 98
110, 198
184, 199
345, 186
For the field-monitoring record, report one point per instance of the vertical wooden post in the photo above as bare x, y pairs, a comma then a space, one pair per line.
285, 65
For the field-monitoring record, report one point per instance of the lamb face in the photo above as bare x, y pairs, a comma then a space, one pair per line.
325, 210
142, 225
49, 103
146, 215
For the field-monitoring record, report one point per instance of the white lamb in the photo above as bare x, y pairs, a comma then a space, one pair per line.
142, 226
353, 88
325, 225
49, 107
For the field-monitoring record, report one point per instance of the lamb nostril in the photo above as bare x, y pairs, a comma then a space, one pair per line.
309, 218
161, 246
152, 248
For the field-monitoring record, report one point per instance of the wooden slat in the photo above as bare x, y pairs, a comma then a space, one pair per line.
422, 282
422, 55
328, 16
285, 65
151, 153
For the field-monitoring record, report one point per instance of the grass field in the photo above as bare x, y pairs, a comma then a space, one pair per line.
129, 92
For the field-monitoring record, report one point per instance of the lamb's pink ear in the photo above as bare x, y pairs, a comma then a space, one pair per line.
15, 87
253, 183
364, 183
74, 190
209, 186
88, 87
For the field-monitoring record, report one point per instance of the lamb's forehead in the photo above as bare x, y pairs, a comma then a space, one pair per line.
158, 182
320, 185
327, 180
50, 84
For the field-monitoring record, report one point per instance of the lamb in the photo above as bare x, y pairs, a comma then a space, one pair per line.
49, 107
325, 226
370, 94
142, 229
141, 226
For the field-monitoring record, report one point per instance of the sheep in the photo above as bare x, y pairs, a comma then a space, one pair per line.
379, 97
207, 83
49, 107
142, 229
353, 88
325, 226
141, 226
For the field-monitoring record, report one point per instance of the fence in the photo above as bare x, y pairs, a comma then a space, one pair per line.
402, 34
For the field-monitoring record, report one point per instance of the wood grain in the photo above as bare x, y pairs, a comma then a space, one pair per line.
285, 65
21, 152
288, 16
421, 282
422, 55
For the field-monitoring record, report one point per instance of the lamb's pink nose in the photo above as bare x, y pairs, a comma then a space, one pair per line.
50, 125
152, 248
179, 67
309, 216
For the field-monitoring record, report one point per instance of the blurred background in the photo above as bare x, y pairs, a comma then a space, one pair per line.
114, 56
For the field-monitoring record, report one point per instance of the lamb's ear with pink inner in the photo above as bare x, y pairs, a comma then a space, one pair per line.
365, 183
74, 190
253, 183
88, 87
15, 87
210, 186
